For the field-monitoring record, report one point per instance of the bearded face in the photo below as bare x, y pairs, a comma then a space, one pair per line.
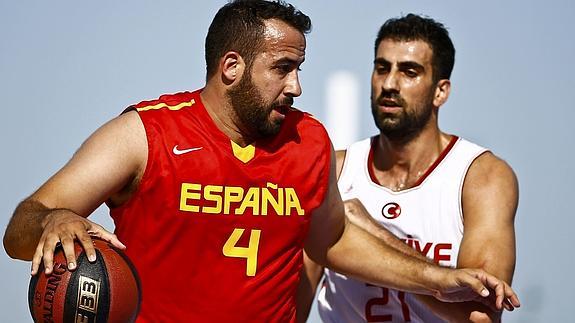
253, 110
403, 90
408, 118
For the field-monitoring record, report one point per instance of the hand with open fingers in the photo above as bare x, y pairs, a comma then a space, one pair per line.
62, 227
460, 285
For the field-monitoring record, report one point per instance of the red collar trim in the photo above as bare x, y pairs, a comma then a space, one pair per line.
424, 176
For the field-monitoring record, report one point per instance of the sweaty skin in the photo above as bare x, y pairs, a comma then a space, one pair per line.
111, 162
405, 68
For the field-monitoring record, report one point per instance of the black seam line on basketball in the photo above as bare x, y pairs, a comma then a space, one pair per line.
104, 307
136, 276
96, 271
32, 292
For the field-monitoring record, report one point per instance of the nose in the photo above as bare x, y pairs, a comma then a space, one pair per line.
390, 82
292, 87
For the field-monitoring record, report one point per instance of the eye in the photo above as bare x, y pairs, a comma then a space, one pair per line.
380, 69
286, 68
411, 73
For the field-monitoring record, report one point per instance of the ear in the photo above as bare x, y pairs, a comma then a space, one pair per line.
232, 67
442, 91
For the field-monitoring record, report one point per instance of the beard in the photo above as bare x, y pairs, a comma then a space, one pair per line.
407, 124
252, 110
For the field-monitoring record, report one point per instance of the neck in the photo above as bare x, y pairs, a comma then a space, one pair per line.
399, 165
224, 116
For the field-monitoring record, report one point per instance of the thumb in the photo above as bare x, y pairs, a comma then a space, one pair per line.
475, 284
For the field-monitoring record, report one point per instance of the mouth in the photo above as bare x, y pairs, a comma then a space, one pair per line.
278, 112
282, 109
390, 103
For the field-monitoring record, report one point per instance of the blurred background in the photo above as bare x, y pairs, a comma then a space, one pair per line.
66, 67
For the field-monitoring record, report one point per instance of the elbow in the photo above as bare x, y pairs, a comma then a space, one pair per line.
9, 246
12, 247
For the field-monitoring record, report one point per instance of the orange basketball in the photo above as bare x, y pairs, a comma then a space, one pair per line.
107, 290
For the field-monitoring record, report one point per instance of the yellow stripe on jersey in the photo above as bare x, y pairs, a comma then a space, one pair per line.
164, 105
245, 154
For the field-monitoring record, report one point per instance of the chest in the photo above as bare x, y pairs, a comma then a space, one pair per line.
428, 218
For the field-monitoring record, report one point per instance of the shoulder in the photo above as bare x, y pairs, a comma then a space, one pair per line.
489, 174
487, 167
167, 102
127, 126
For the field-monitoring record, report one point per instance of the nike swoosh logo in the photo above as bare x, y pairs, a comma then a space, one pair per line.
177, 151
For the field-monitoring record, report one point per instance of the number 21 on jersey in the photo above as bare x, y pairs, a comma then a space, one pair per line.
250, 252
383, 301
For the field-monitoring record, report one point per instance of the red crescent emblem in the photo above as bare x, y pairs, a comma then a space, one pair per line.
391, 210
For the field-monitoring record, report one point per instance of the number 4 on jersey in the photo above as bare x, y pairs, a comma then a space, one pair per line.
250, 253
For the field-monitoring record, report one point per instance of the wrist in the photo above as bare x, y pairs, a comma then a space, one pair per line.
48, 216
434, 276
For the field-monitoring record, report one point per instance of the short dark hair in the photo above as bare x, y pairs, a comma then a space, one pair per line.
239, 26
415, 27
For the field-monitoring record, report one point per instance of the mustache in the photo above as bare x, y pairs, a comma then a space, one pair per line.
393, 96
286, 101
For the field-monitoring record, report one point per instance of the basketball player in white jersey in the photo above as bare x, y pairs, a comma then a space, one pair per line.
442, 196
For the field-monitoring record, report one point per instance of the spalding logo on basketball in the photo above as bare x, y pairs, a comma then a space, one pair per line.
107, 290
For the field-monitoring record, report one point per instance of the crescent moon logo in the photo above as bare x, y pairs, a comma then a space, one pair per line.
391, 210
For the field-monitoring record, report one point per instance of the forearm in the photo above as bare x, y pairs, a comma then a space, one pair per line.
310, 277
25, 229
357, 215
386, 266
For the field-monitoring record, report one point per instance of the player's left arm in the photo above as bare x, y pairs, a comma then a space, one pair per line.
336, 243
489, 202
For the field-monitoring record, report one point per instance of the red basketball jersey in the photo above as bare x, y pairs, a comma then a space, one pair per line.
216, 230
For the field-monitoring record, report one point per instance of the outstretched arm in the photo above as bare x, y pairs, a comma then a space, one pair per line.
489, 202
104, 166
344, 247
489, 237
310, 277
311, 272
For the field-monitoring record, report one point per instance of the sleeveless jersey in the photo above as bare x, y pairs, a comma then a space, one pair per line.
215, 230
428, 217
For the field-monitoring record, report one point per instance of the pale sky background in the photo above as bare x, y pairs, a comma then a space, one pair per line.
67, 66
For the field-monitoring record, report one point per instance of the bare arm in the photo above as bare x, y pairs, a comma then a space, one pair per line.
490, 197
311, 272
108, 162
489, 237
342, 246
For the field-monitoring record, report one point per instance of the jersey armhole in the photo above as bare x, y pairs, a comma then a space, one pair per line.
144, 179
465, 171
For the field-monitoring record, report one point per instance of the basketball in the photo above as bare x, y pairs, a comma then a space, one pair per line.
107, 290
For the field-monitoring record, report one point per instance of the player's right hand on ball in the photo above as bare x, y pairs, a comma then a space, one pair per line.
63, 227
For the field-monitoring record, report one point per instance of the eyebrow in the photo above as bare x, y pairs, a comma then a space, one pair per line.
402, 65
284, 60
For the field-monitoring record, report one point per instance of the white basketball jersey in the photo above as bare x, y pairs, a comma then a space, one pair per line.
428, 217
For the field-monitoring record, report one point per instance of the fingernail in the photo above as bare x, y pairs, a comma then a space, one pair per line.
47, 271
71, 266
92, 258
484, 292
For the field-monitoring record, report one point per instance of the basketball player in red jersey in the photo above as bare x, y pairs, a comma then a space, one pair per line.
216, 192
449, 199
